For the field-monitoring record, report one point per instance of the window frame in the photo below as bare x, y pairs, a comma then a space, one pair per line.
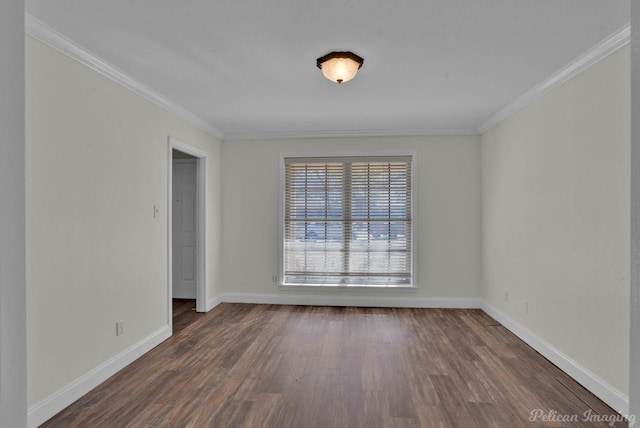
342, 155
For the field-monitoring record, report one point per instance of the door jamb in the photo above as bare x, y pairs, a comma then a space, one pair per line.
201, 223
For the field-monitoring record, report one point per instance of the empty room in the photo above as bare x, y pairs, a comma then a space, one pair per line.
334, 214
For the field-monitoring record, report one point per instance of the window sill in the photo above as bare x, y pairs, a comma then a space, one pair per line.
343, 287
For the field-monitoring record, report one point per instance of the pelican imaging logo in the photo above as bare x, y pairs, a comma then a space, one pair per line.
588, 416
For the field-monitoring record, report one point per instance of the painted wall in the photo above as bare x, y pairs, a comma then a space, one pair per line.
555, 218
552, 211
97, 162
448, 214
634, 387
13, 377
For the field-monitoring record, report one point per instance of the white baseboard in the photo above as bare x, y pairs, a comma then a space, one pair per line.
53, 404
600, 388
212, 303
362, 301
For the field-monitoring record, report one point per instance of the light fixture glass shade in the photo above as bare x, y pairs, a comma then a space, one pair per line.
340, 67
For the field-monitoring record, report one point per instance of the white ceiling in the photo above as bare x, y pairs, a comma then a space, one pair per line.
247, 67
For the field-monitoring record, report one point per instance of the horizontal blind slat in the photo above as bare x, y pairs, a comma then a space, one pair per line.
328, 199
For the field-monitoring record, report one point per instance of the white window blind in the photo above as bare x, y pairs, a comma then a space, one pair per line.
347, 221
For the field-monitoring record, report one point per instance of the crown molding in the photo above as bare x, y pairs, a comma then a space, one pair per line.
597, 53
59, 42
246, 136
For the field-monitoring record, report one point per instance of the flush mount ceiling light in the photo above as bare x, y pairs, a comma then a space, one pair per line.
339, 67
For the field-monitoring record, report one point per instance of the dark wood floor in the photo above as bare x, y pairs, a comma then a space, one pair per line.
251, 366
184, 314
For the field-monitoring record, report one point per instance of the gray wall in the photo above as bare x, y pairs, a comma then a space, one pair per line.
555, 198
13, 406
634, 387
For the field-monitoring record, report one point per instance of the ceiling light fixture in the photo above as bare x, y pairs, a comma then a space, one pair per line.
339, 67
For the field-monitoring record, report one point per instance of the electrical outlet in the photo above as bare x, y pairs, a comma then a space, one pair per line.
119, 328
274, 278
506, 296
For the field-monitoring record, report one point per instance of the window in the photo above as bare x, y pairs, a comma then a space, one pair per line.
347, 221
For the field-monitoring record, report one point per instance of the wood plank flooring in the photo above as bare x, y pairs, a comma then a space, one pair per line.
244, 365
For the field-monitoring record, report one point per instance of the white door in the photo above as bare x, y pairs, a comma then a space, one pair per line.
184, 229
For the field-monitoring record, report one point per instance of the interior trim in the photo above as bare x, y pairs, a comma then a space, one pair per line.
360, 301
598, 386
59, 42
201, 224
55, 40
597, 53
248, 136
50, 406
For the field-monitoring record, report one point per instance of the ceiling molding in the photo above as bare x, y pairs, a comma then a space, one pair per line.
597, 53
246, 136
55, 40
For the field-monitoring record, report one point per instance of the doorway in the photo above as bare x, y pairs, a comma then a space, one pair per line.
183, 226
186, 206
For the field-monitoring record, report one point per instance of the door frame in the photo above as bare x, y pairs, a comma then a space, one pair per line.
201, 224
